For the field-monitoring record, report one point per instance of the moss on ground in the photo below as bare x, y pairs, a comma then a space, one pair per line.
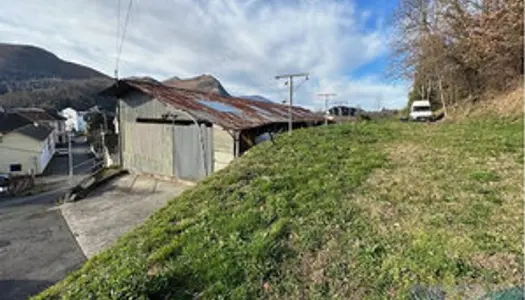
348, 211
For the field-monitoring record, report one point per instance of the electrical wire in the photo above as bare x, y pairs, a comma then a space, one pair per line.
119, 53
299, 85
117, 38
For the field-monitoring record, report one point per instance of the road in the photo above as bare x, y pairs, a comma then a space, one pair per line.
58, 167
37, 249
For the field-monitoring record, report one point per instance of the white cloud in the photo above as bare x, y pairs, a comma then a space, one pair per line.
243, 43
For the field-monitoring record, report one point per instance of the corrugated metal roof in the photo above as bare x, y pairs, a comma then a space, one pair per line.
228, 112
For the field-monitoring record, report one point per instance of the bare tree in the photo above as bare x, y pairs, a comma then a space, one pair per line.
458, 48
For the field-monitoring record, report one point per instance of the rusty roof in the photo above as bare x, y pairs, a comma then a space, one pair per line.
227, 112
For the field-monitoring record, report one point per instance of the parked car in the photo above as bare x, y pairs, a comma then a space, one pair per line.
62, 151
420, 111
4, 184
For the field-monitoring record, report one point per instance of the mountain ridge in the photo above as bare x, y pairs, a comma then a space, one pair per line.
33, 76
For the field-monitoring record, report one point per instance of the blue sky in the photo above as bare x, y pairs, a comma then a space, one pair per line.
244, 43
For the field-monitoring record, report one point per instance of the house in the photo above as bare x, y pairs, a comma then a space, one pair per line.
74, 119
177, 133
25, 147
48, 117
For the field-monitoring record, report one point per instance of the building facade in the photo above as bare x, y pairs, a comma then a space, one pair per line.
74, 119
26, 150
188, 135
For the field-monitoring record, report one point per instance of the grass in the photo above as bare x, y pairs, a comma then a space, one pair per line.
351, 211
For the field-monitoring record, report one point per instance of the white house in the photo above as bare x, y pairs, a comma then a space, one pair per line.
48, 117
75, 119
26, 150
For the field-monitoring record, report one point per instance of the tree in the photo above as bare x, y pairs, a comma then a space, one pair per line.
460, 48
95, 121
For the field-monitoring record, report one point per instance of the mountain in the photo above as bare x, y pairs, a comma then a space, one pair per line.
204, 83
256, 98
208, 84
31, 76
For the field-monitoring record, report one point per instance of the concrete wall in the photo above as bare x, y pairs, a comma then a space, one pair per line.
223, 148
19, 149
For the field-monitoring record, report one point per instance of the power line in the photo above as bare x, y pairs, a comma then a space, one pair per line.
119, 52
300, 84
290, 103
118, 34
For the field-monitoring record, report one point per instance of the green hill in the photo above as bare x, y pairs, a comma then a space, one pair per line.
354, 211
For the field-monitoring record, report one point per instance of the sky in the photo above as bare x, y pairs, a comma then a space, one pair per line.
342, 44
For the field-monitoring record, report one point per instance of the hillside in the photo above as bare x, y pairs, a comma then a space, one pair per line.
389, 210
203, 83
30, 76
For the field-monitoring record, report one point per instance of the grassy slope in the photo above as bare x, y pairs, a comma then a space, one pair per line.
349, 212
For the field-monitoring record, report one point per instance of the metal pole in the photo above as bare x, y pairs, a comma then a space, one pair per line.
326, 95
325, 109
290, 77
290, 123
348, 109
70, 157
103, 145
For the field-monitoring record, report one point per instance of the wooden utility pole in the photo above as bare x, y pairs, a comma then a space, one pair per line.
326, 98
290, 102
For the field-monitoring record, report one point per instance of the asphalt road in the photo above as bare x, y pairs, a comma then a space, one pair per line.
37, 249
58, 167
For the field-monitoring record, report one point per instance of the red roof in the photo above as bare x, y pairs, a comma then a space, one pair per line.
228, 112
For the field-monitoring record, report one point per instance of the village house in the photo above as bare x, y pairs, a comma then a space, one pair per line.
26, 147
48, 117
74, 119
186, 134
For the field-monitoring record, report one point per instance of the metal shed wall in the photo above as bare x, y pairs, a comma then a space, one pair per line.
189, 163
146, 147
164, 149
223, 148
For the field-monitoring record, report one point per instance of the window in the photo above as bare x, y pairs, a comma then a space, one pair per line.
421, 108
15, 168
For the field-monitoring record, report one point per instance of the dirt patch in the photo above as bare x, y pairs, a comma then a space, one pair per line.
508, 104
504, 263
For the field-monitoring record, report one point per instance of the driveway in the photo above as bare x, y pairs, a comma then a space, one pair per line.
37, 248
99, 220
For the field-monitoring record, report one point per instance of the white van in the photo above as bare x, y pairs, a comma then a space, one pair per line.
421, 111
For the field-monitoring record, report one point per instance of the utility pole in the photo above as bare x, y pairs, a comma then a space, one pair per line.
69, 158
378, 102
290, 102
103, 140
326, 96
348, 109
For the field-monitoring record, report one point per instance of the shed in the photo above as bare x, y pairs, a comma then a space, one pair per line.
187, 134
